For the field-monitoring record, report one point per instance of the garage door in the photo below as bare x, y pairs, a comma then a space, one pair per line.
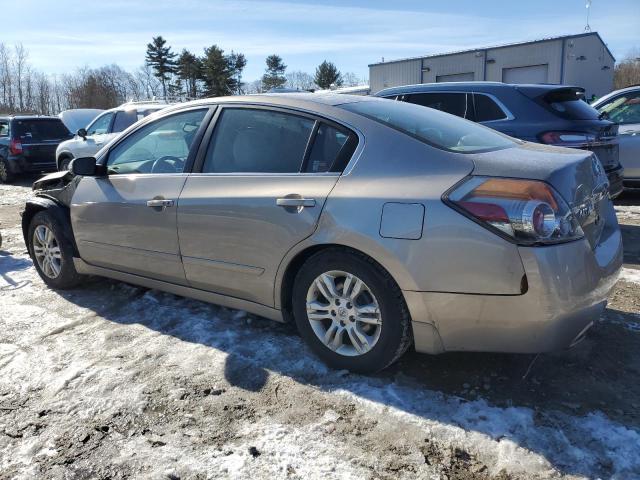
530, 74
456, 77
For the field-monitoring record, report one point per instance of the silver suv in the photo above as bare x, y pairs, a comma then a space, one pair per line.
374, 225
104, 128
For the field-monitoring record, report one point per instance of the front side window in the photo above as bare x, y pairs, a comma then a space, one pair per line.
624, 109
101, 125
435, 128
258, 141
486, 109
453, 103
159, 147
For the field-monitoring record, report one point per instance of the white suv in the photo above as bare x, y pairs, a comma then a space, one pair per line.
102, 130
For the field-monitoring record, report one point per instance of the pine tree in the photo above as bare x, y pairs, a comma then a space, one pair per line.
237, 62
216, 73
162, 60
274, 73
189, 70
327, 74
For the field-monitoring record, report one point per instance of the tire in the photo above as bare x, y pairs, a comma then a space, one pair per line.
64, 164
5, 174
385, 329
60, 252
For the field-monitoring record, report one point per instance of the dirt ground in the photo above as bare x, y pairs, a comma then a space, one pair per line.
115, 381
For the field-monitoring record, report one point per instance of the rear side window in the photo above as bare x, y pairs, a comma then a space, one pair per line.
486, 109
4, 128
570, 104
435, 128
453, 103
124, 120
258, 141
41, 130
331, 147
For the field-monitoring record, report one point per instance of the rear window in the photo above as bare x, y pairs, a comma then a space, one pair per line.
570, 104
436, 128
40, 130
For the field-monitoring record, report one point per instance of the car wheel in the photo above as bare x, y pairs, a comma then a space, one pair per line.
350, 311
64, 164
5, 175
51, 252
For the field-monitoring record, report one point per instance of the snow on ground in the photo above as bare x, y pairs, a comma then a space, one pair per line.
111, 380
630, 275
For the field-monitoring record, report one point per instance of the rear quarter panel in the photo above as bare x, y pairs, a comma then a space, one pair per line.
454, 254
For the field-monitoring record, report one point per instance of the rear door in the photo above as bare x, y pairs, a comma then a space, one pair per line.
263, 178
126, 220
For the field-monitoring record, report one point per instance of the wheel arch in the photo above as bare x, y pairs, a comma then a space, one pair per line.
62, 157
289, 271
60, 212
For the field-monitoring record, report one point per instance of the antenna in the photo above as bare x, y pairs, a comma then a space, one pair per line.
587, 28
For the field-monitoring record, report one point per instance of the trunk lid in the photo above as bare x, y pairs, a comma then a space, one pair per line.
576, 175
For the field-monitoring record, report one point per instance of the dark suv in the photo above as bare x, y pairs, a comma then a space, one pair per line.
28, 144
550, 114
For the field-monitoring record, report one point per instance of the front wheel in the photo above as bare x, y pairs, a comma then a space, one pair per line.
350, 311
51, 251
64, 164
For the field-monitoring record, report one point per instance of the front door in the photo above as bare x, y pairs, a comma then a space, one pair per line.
262, 185
126, 220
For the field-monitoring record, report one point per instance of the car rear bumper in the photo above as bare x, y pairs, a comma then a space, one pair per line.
20, 164
568, 285
616, 181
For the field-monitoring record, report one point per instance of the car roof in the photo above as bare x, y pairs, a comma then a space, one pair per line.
601, 100
29, 117
539, 88
297, 100
139, 106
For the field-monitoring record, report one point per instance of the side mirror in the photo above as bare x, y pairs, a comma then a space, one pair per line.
84, 166
82, 132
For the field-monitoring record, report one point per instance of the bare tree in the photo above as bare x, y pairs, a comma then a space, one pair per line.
627, 72
19, 67
300, 80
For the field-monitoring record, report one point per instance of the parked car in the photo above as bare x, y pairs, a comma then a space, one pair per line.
623, 107
102, 130
28, 144
550, 114
373, 224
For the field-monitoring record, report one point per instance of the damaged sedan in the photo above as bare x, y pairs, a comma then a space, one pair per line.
375, 226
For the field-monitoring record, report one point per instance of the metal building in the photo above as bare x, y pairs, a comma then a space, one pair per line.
582, 60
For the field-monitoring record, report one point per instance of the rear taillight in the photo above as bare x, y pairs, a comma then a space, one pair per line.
567, 139
528, 212
15, 147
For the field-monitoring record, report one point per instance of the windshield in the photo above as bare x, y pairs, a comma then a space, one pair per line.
41, 130
434, 127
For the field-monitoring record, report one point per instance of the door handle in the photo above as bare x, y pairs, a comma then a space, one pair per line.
296, 202
159, 202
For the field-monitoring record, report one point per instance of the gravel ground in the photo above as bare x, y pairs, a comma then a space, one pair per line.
115, 381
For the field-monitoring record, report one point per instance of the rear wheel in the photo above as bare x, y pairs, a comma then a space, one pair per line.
5, 174
350, 311
51, 252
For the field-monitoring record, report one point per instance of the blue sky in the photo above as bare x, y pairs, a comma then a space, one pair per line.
64, 34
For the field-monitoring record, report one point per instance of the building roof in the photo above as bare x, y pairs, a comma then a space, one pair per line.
493, 47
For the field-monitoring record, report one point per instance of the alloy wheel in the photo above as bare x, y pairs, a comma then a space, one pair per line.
47, 251
343, 313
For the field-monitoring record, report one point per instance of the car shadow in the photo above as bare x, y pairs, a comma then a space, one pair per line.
630, 197
569, 382
631, 242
